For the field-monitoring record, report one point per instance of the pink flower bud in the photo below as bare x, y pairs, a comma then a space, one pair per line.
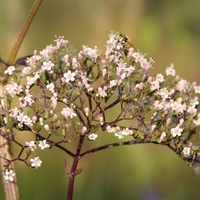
46, 127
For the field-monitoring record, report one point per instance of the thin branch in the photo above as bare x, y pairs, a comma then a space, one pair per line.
96, 149
134, 141
79, 116
112, 104
39, 137
65, 150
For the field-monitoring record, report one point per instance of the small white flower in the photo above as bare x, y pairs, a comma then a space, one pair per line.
170, 70
12, 89
50, 87
183, 85
127, 132
119, 134
31, 145
36, 162
93, 136
159, 78
91, 53
102, 91
9, 70
197, 89
46, 127
186, 151
86, 111
9, 175
69, 76
47, 65
68, 112
43, 144
176, 131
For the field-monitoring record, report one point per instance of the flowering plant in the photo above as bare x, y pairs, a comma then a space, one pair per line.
59, 94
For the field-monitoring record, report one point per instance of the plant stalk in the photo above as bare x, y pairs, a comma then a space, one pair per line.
11, 188
22, 34
74, 171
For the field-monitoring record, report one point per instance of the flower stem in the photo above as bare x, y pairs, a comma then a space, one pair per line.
72, 179
74, 171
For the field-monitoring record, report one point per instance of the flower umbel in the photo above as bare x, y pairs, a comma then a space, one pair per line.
61, 98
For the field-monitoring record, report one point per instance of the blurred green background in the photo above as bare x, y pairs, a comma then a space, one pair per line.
169, 32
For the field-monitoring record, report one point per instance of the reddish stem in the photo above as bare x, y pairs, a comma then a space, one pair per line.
72, 179
74, 170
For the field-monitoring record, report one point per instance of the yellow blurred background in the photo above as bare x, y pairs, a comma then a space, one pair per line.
169, 32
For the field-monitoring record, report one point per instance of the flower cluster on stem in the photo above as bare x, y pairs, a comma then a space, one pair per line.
58, 92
